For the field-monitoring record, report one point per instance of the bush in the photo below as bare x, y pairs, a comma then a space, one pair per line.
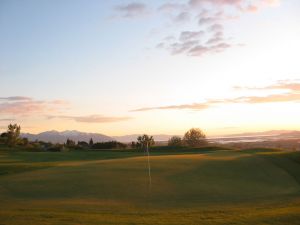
57, 148
175, 141
109, 145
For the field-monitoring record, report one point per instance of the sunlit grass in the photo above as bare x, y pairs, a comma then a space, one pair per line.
216, 187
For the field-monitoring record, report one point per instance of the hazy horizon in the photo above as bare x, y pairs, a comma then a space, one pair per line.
277, 131
159, 67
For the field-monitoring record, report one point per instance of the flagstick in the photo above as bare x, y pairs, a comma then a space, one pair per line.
149, 168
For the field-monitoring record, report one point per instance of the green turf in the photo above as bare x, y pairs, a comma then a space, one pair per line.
193, 187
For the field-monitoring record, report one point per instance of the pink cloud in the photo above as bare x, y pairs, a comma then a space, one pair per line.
26, 106
292, 96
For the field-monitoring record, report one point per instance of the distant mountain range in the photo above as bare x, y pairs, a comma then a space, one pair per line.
61, 137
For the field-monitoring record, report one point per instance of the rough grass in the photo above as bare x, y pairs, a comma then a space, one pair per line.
212, 187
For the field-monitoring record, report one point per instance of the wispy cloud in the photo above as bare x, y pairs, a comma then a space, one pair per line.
25, 106
209, 16
15, 98
290, 85
199, 50
132, 10
194, 106
238, 4
91, 118
6, 120
288, 97
172, 7
216, 38
182, 17
190, 35
293, 95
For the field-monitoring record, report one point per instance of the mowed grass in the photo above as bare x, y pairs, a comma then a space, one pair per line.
259, 186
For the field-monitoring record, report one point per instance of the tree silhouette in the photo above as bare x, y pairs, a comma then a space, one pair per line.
194, 138
70, 143
13, 133
145, 141
175, 141
91, 142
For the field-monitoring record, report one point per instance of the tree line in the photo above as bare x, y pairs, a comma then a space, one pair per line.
11, 138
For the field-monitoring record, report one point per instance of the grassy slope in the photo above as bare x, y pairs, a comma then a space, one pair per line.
222, 187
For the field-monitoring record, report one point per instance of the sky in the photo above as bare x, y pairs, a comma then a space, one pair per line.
156, 67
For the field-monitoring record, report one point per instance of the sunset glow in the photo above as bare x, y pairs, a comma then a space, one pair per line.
160, 67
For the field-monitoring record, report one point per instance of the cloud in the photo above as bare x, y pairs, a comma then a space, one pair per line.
199, 50
26, 106
171, 7
292, 96
286, 97
197, 3
15, 98
92, 118
215, 28
215, 38
206, 20
169, 38
210, 16
189, 35
290, 85
177, 48
132, 10
182, 17
194, 106
195, 43
160, 45
287, 86
208, 39
237, 4
6, 120
289, 97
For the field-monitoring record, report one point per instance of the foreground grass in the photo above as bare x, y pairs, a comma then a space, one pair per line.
212, 187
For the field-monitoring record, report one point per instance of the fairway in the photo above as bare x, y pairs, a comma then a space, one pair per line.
213, 187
